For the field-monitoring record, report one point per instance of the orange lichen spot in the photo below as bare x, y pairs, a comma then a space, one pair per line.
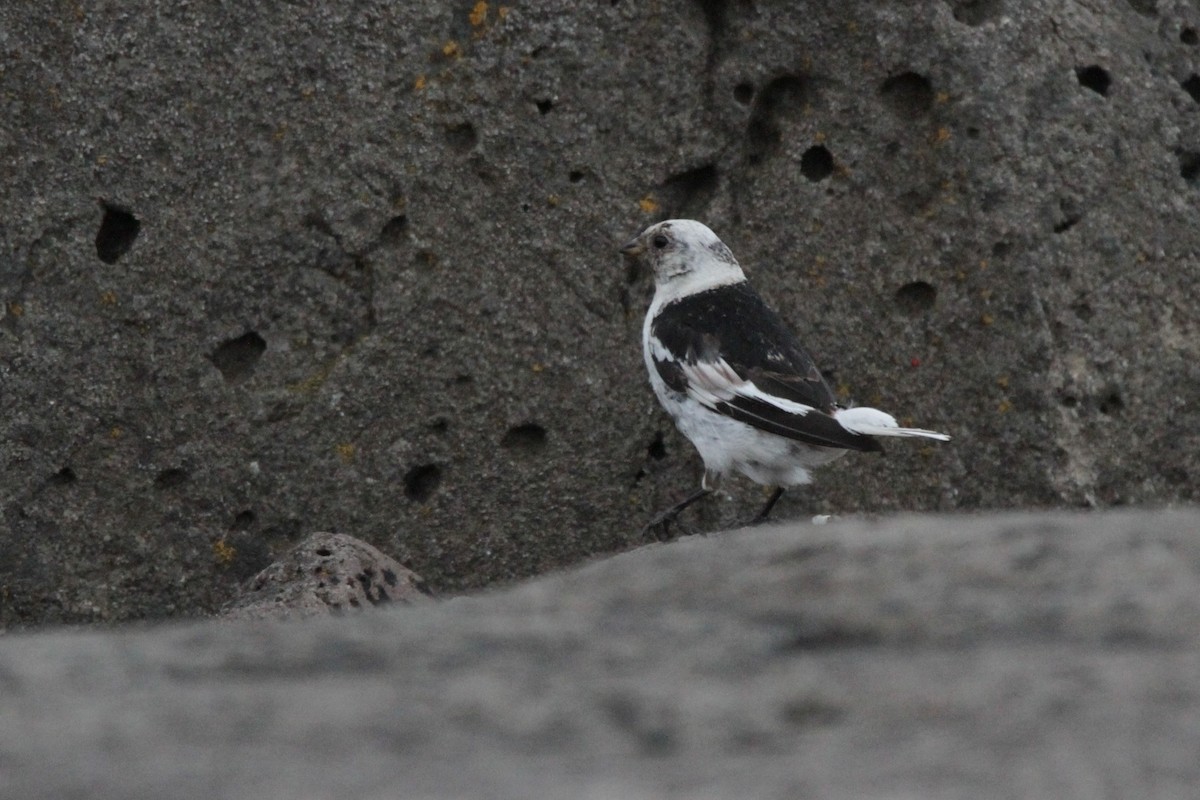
843, 391
552, 200
280, 132
852, 27
101, 160
345, 452
308, 92
985, 294
649, 205
983, 263
478, 14
502, 12
115, 432
1004, 406
940, 136
941, 97
223, 552
819, 137
537, 366
108, 298
986, 318
451, 49
961, 275
419, 83
15, 309
1002, 381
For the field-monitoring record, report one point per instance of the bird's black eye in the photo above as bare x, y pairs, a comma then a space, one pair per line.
660, 241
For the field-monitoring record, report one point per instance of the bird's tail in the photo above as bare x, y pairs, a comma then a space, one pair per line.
873, 422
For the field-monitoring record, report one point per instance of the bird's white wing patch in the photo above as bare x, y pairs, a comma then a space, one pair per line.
713, 382
873, 422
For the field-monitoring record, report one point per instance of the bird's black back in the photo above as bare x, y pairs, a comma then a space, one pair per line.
733, 323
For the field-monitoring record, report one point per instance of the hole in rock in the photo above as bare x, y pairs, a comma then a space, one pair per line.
170, 478
529, 436
916, 297
236, 358
688, 193
1066, 224
462, 137
816, 163
1095, 78
393, 231
908, 94
422, 481
977, 12
63, 477
1189, 36
657, 450
1111, 403
743, 93
788, 93
118, 230
1192, 86
1189, 165
544, 107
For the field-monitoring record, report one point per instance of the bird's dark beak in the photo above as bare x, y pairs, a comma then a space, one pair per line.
633, 247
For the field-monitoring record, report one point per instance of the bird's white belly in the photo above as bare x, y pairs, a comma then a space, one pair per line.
726, 444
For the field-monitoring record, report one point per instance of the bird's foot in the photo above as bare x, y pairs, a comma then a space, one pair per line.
667, 526
660, 527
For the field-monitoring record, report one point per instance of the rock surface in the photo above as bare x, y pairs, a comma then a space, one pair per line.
327, 573
271, 268
1008, 656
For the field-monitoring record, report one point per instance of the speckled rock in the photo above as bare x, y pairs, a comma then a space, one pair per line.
267, 269
995, 657
327, 573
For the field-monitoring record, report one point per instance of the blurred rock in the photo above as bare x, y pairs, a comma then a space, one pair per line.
997, 657
327, 573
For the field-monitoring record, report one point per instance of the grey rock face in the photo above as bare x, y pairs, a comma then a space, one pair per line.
267, 269
327, 573
1014, 656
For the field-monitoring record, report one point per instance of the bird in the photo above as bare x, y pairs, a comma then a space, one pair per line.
732, 375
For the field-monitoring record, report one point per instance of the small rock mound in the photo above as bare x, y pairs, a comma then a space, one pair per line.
327, 573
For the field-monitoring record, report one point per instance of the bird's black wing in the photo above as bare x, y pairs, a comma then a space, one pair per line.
726, 348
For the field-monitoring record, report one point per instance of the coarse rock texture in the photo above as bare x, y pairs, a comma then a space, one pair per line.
1009, 656
327, 573
273, 268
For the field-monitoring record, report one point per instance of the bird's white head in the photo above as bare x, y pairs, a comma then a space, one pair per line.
685, 256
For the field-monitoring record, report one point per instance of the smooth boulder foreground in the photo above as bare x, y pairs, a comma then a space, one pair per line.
992, 656
270, 269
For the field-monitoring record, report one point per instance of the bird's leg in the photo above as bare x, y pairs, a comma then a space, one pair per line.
771, 501
662, 522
